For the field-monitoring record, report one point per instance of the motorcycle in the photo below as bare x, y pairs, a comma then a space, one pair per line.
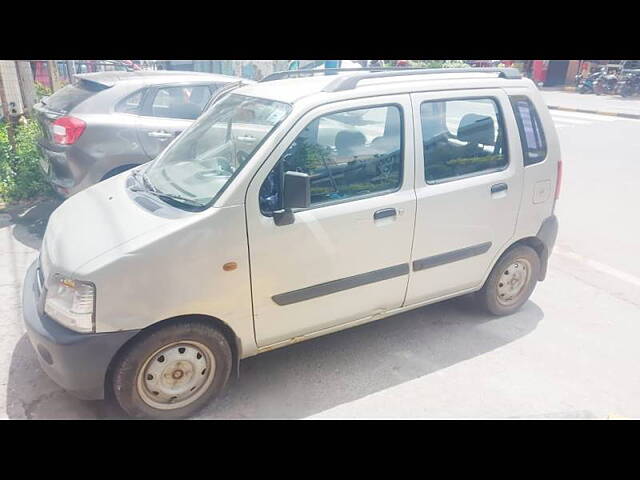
585, 85
630, 85
605, 84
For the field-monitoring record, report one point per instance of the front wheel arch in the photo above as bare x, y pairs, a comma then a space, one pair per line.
233, 340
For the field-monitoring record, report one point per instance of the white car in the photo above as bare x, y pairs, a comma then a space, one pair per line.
291, 209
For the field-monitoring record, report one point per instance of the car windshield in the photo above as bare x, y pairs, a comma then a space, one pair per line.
199, 164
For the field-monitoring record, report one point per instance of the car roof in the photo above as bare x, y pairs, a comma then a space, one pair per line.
145, 77
292, 90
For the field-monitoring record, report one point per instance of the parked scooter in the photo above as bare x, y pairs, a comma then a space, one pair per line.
605, 84
629, 85
585, 85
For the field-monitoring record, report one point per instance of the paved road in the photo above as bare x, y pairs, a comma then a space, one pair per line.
572, 352
604, 103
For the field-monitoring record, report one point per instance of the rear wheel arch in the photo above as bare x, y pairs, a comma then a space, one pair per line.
542, 251
533, 242
234, 342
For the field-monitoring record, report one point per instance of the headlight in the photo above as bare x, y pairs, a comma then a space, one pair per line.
71, 303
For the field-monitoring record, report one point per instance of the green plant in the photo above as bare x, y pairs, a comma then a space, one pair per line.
42, 90
21, 176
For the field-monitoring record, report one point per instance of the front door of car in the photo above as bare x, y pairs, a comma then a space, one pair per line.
346, 257
166, 112
469, 176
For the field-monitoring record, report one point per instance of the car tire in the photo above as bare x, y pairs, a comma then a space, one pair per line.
511, 282
172, 371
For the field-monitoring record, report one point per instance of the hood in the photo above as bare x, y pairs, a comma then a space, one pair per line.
93, 222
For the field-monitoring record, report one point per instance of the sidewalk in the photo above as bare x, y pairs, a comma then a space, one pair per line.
590, 103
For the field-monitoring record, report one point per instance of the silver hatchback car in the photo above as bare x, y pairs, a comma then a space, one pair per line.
108, 122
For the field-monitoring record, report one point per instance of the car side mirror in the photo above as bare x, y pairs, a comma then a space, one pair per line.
296, 194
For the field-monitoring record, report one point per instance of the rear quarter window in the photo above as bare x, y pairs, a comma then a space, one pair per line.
534, 146
131, 103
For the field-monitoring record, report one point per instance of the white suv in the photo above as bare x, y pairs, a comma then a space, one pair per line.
291, 209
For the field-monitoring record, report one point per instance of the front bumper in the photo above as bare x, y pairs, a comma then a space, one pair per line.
77, 362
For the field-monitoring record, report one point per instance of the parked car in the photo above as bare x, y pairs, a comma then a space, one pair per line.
292, 209
108, 122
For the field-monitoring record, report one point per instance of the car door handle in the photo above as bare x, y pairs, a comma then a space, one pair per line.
384, 213
499, 187
160, 134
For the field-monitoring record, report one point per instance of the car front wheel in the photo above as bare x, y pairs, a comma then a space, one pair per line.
172, 371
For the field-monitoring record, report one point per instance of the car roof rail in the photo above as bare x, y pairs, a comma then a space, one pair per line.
351, 81
325, 71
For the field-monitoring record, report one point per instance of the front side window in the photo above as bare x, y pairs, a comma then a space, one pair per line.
205, 158
534, 147
347, 154
462, 138
180, 102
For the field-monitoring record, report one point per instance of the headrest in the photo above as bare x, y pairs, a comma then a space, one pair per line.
477, 129
346, 141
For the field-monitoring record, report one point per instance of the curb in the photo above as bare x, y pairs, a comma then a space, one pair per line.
597, 112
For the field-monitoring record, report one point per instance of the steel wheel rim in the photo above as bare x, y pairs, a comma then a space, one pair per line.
513, 281
176, 375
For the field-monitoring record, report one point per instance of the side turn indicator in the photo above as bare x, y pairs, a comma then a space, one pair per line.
227, 267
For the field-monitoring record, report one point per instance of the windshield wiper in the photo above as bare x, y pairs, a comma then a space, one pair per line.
177, 198
147, 182
144, 181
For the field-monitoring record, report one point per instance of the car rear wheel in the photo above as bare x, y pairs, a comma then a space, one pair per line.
172, 371
511, 282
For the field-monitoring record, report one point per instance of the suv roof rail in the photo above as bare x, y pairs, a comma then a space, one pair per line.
325, 71
351, 81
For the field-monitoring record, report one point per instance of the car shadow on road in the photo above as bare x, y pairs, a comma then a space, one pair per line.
316, 375
31, 221
307, 378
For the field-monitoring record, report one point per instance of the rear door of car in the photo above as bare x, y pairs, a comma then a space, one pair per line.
469, 176
168, 110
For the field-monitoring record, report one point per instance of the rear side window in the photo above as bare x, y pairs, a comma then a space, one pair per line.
534, 146
180, 102
462, 138
69, 97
